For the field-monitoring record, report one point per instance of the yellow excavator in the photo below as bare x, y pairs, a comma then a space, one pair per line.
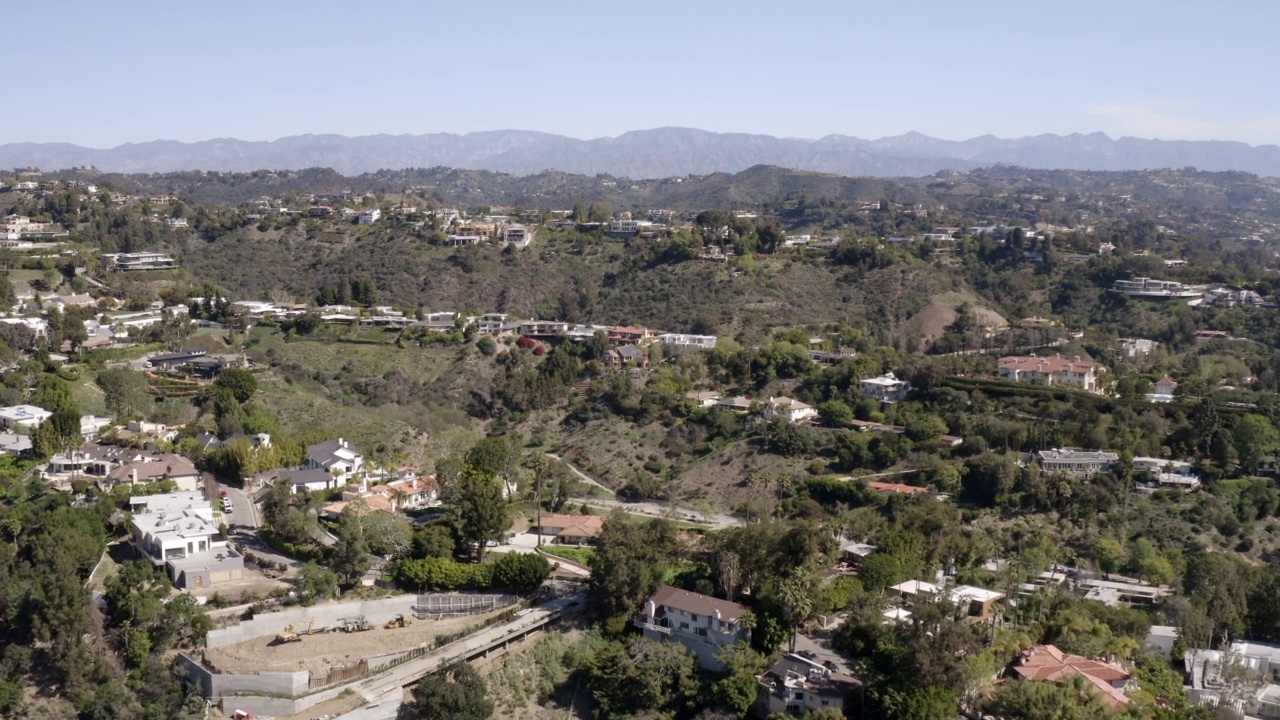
294, 632
400, 621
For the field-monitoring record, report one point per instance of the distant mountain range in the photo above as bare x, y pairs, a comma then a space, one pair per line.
663, 152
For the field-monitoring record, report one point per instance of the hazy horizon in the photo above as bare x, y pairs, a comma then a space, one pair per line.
100, 75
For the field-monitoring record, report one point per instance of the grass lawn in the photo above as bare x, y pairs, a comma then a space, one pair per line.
580, 555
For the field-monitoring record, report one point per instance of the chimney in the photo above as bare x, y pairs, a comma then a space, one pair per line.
650, 609
134, 473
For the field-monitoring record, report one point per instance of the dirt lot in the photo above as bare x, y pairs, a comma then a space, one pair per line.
322, 651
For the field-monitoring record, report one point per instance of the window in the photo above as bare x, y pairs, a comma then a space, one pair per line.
694, 616
684, 626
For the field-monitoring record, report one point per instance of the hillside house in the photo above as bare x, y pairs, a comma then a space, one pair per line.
126, 262
570, 529
628, 334
517, 236
368, 217
701, 623
796, 685
704, 398
886, 388
789, 409
1046, 663
23, 417
1148, 288
1206, 686
627, 355
1056, 370
1076, 463
1166, 386
678, 343
336, 457
154, 468
179, 533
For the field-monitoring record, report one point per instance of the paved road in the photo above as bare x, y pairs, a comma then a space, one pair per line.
527, 542
243, 524
378, 686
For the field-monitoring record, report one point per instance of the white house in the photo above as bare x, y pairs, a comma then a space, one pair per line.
179, 533
678, 342
369, 217
886, 388
25, 417
336, 457
789, 409
1056, 370
701, 623
517, 235
1077, 463
796, 685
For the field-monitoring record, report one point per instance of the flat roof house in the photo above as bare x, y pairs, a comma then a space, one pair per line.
26, 417
1077, 463
179, 533
886, 388
703, 624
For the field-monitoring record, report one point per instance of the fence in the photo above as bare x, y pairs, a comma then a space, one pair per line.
339, 674
437, 607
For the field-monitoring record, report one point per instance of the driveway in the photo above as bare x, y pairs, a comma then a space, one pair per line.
718, 521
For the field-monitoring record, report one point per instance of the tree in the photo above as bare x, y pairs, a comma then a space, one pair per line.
522, 572
432, 540
736, 688
643, 676
1255, 438
835, 413
54, 394
918, 703
456, 692
1110, 554
1074, 700
879, 571
630, 563
481, 513
316, 583
241, 383
125, 392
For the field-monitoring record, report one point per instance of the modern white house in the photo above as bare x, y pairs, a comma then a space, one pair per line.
701, 623
518, 236
1177, 474
123, 262
23, 417
368, 217
179, 533
1143, 287
886, 388
678, 342
1207, 686
1076, 463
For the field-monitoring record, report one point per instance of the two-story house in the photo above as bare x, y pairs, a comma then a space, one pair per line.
789, 409
701, 623
795, 685
1056, 370
178, 533
1077, 463
336, 457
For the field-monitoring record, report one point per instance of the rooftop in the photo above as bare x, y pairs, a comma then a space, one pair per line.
697, 604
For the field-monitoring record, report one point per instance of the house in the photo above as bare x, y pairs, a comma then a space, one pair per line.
23, 417
1208, 335
1076, 463
175, 222
125, 262
336, 457
570, 529
886, 388
166, 466
1116, 593
735, 404
975, 604
543, 329
299, 479
1165, 386
62, 302
407, 494
789, 409
92, 425
678, 343
13, 444
853, 553
194, 360
369, 217
1137, 348
1168, 473
1056, 370
701, 623
628, 334
1156, 289
890, 488
1204, 668
704, 398
517, 236
1046, 663
796, 685
627, 354
178, 533
320, 211
915, 589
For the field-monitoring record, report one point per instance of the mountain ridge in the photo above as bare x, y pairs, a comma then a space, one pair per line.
652, 153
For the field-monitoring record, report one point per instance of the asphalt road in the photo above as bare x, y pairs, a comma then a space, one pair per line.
243, 523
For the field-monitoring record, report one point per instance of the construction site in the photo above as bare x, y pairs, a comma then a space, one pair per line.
335, 636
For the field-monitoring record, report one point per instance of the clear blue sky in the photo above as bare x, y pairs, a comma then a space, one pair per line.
101, 73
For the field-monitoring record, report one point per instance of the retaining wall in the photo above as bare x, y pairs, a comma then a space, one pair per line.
326, 616
220, 684
387, 708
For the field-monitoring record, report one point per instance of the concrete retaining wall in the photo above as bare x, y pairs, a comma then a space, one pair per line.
261, 705
220, 684
326, 616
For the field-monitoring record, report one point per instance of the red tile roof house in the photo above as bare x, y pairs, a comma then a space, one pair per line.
701, 623
1048, 663
571, 529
